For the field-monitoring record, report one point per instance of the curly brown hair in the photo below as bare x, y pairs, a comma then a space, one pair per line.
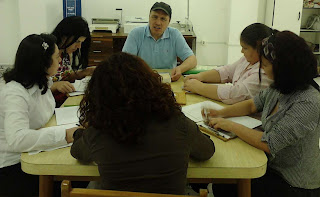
123, 94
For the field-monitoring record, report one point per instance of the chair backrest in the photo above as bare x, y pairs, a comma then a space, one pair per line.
68, 191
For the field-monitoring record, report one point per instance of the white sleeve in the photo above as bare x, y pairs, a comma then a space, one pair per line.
18, 134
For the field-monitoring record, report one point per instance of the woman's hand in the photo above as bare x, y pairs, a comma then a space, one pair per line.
89, 71
208, 114
221, 123
196, 76
192, 85
80, 74
63, 87
69, 134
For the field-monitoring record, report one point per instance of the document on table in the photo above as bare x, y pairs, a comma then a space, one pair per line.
80, 86
67, 115
67, 126
166, 78
194, 113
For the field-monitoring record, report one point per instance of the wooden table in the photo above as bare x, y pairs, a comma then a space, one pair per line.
233, 162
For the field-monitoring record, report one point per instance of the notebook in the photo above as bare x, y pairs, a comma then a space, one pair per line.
194, 113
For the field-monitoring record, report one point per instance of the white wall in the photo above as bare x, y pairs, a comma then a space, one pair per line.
20, 18
242, 14
217, 23
54, 13
209, 19
9, 32
31, 16
107, 9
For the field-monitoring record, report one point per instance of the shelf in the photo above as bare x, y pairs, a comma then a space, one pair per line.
311, 8
316, 53
309, 30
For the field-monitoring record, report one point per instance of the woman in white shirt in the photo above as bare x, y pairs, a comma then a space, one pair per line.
26, 106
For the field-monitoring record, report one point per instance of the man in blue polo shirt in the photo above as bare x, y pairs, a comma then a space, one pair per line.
160, 45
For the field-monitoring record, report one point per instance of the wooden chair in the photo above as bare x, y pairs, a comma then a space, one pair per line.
68, 191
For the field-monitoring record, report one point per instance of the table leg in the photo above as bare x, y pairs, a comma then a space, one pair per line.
244, 188
45, 186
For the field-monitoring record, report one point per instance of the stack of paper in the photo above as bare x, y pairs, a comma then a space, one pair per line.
80, 86
67, 115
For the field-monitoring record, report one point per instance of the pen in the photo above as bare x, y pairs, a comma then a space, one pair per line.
205, 114
70, 105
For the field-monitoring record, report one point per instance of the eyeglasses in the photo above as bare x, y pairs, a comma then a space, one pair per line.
268, 49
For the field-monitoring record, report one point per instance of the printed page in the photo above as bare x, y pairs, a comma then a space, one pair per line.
80, 86
194, 113
67, 126
67, 115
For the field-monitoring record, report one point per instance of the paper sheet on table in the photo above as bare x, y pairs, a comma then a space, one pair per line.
67, 126
49, 149
166, 78
75, 93
194, 113
67, 115
80, 86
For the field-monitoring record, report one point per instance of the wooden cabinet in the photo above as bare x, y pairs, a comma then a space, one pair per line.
104, 44
100, 48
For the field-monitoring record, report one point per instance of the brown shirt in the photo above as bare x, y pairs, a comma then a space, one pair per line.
158, 165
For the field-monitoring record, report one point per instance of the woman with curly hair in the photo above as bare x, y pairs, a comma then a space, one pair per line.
135, 130
290, 119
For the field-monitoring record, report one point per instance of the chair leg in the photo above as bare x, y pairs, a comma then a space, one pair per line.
203, 193
65, 188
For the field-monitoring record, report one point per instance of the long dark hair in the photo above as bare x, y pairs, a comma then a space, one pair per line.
253, 34
33, 59
67, 32
293, 63
123, 95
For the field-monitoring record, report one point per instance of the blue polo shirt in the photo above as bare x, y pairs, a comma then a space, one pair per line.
160, 54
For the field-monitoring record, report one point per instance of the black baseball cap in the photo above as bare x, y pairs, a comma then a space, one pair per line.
162, 6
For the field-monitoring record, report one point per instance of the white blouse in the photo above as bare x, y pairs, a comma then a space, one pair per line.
23, 113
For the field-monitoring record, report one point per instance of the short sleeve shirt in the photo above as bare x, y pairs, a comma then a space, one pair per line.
161, 53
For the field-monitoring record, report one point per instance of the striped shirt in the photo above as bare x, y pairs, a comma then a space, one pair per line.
292, 134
